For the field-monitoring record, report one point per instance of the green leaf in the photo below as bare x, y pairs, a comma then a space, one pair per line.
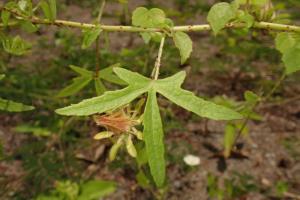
251, 97
108, 101
154, 36
96, 189
148, 18
289, 45
291, 59
132, 78
35, 130
285, 41
103, 135
138, 85
142, 179
67, 189
90, 36
76, 86
253, 2
28, 27
1, 76
12, 106
247, 18
219, 15
170, 88
49, 9
52, 5
130, 146
229, 139
100, 88
185, 45
153, 137
15, 45
81, 71
108, 75
115, 148
5, 17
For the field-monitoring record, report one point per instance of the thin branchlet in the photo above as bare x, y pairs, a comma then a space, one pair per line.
186, 28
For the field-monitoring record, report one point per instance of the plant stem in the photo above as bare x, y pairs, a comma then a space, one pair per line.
99, 17
187, 28
267, 96
158, 59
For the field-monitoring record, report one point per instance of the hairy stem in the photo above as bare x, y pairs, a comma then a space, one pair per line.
187, 28
99, 17
158, 59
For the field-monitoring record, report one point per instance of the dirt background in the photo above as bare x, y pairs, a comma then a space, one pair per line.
267, 156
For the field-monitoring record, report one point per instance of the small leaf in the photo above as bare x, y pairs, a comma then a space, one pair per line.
22, 5
108, 75
52, 5
115, 148
5, 17
100, 88
185, 45
28, 27
138, 134
15, 45
142, 179
90, 36
12, 106
68, 189
219, 15
291, 59
132, 78
103, 135
76, 86
153, 137
247, 18
285, 41
229, 139
35, 130
289, 45
251, 97
148, 18
130, 146
81, 71
1, 76
46, 9
49, 9
96, 189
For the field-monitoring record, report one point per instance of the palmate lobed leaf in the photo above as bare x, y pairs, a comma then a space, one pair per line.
153, 131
